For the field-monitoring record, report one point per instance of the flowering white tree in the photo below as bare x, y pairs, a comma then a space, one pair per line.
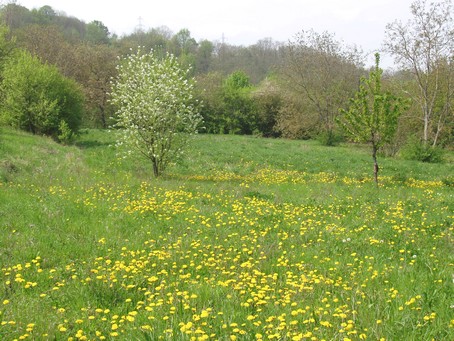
156, 112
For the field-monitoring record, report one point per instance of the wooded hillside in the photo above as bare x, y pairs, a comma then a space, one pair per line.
294, 89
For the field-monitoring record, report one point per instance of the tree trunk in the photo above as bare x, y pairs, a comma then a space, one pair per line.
155, 167
426, 128
103, 116
376, 168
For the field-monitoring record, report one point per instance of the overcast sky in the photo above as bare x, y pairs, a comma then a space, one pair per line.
243, 22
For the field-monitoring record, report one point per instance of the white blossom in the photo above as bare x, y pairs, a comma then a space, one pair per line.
156, 113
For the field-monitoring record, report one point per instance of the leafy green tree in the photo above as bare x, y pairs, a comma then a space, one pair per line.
38, 98
97, 33
156, 110
183, 43
373, 114
239, 113
204, 56
45, 15
156, 39
6, 46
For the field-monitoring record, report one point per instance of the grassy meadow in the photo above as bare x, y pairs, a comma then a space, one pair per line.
243, 239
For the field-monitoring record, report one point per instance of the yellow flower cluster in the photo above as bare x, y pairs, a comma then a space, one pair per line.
221, 265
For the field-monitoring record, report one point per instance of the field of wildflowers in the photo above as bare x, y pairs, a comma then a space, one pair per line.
250, 251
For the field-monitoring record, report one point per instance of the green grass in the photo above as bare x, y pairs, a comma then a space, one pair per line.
245, 238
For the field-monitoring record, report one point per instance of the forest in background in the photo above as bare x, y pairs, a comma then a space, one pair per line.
292, 89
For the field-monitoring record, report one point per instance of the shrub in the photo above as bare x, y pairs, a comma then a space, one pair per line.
65, 135
329, 138
418, 151
37, 97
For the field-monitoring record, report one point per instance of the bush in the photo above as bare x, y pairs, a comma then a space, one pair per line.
329, 138
65, 135
418, 151
37, 98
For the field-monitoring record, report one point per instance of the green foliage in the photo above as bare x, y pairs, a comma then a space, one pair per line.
36, 97
97, 33
238, 106
417, 150
238, 80
65, 135
204, 56
156, 111
267, 102
329, 138
373, 114
6, 46
209, 91
229, 103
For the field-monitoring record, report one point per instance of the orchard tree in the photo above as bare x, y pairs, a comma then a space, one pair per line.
373, 114
425, 46
156, 111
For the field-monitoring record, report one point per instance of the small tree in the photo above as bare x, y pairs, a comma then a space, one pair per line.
155, 107
373, 114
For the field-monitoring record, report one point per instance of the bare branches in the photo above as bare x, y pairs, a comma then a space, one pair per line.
324, 73
421, 46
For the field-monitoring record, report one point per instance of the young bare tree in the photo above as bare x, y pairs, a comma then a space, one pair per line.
425, 47
325, 73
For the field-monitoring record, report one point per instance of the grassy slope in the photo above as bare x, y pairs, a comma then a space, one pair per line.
307, 214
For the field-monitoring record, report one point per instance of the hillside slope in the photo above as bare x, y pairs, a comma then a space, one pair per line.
244, 239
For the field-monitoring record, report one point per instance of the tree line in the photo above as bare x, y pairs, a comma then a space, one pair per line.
57, 71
